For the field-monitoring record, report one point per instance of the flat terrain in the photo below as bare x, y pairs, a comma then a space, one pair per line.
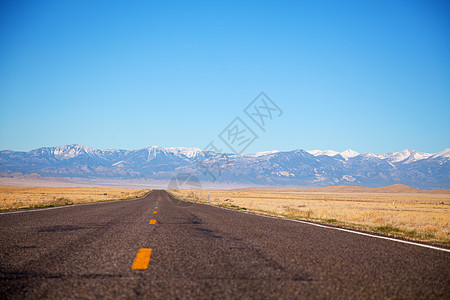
35, 180
396, 210
395, 188
30, 197
203, 252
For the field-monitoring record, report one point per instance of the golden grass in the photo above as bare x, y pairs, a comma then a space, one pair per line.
416, 216
32, 197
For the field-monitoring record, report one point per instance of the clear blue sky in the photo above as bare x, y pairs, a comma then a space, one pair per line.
373, 76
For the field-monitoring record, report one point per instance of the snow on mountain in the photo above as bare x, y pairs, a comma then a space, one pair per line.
349, 153
405, 156
188, 152
74, 150
155, 149
322, 152
67, 151
263, 153
367, 155
445, 153
119, 163
291, 168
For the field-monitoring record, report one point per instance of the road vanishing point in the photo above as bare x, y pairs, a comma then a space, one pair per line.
159, 247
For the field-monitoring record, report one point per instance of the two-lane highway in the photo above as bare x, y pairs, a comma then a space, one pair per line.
159, 247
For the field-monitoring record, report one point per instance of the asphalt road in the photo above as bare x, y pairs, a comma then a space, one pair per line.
203, 252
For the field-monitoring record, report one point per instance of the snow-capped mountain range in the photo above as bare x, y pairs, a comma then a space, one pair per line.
405, 156
301, 168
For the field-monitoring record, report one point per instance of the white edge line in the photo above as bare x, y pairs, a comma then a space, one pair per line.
325, 226
71, 205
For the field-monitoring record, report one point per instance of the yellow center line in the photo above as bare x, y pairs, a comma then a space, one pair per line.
142, 259
152, 222
155, 212
156, 207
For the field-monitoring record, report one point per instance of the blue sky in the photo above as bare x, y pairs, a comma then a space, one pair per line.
373, 76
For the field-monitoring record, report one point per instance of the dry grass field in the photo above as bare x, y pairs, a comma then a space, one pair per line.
12, 198
419, 216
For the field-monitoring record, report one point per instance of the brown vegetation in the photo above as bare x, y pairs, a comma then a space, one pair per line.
420, 216
32, 197
395, 188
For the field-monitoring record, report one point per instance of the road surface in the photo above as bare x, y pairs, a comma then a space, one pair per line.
196, 251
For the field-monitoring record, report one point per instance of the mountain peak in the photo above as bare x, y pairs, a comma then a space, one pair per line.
323, 152
349, 153
405, 156
188, 152
443, 153
263, 153
73, 150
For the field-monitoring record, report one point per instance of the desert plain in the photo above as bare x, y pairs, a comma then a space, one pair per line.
396, 210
